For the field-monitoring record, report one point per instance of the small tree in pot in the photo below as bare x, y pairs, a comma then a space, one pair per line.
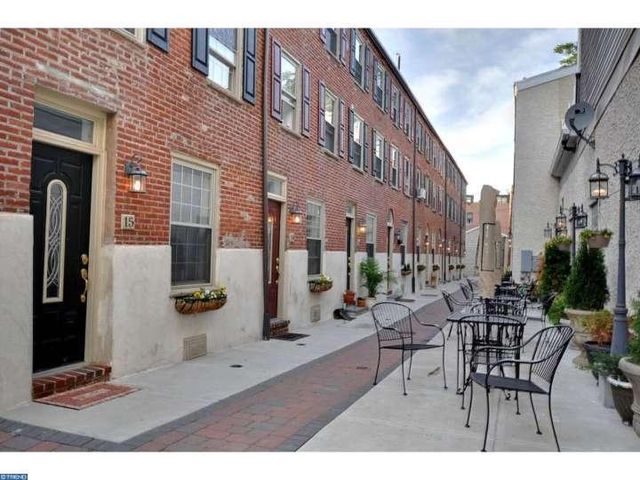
372, 275
555, 268
586, 293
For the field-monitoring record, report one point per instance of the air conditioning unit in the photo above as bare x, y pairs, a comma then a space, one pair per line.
422, 193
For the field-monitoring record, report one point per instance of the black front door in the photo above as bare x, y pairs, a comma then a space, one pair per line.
349, 248
60, 205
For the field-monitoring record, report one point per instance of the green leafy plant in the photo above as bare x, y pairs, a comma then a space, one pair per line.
372, 274
587, 233
569, 50
586, 286
556, 312
556, 267
606, 365
420, 267
599, 326
322, 280
451, 267
435, 268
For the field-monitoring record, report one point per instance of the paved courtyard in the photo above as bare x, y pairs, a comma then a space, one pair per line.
315, 394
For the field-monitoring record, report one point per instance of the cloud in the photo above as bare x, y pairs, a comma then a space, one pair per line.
433, 91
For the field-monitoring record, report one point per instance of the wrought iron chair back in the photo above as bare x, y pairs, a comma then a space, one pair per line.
497, 306
491, 330
393, 322
468, 294
550, 345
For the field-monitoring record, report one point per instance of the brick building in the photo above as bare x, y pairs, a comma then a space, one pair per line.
269, 154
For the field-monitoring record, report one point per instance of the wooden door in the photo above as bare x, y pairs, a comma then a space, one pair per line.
273, 252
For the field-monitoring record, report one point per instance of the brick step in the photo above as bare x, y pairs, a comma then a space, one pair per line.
278, 326
67, 380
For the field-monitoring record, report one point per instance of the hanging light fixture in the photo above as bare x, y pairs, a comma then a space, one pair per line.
599, 184
548, 232
137, 175
295, 213
634, 183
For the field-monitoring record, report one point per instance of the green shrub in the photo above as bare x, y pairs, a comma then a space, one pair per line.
556, 312
556, 267
373, 275
606, 365
586, 286
634, 342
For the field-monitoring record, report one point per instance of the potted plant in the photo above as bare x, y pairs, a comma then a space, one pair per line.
434, 275
361, 302
585, 293
451, 267
564, 243
630, 366
556, 311
554, 269
320, 284
202, 300
372, 278
405, 270
600, 329
349, 297
597, 238
421, 268
606, 365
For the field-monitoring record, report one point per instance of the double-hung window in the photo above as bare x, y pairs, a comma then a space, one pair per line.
314, 238
224, 58
358, 60
371, 235
378, 156
333, 40
407, 176
330, 121
378, 85
290, 72
395, 167
407, 120
395, 105
358, 141
192, 215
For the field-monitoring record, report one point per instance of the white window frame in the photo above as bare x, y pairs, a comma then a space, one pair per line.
395, 167
334, 115
357, 118
214, 203
321, 239
378, 139
298, 93
381, 71
407, 176
360, 59
236, 81
395, 105
371, 219
137, 36
338, 31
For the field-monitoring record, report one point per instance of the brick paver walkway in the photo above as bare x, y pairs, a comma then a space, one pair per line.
280, 414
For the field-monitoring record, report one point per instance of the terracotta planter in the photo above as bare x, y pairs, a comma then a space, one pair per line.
434, 279
349, 297
622, 394
598, 241
188, 306
361, 302
632, 372
576, 319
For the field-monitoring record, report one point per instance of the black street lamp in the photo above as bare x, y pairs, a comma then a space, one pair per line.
599, 188
578, 220
561, 221
548, 232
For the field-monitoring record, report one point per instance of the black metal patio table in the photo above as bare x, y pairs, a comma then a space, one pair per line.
485, 330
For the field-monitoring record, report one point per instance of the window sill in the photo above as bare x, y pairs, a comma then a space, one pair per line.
187, 289
293, 133
380, 107
329, 153
358, 169
360, 85
379, 180
140, 43
224, 91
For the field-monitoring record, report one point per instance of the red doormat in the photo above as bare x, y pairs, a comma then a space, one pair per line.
88, 396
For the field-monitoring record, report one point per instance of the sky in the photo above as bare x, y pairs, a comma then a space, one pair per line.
463, 78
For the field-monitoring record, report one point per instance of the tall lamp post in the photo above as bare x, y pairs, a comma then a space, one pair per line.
599, 188
578, 220
561, 221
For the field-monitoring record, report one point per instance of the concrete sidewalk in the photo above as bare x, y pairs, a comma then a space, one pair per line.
173, 392
429, 419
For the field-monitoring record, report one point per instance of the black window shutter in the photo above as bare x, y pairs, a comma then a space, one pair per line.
353, 51
276, 80
159, 37
387, 91
367, 68
399, 114
200, 50
365, 161
385, 166
374, 165
306, 101
321, 125
249, 74
341, 129
374, 88
350, 139
344, 45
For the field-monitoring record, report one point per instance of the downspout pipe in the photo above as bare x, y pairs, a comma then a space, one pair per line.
413, 204
445, 253
266, 321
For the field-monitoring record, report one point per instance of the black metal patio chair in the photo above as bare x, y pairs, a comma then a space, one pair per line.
395, 331
452, 302
468, 293
534, 375
498, 306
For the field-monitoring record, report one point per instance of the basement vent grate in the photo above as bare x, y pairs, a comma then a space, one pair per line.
194, 347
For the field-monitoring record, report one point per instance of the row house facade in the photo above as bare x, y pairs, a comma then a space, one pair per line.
140, 164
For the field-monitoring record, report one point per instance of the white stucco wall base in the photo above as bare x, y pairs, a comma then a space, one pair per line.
148, 332
16, 308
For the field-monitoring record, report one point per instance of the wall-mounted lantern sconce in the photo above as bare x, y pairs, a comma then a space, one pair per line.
362, 228
137, 175
295, 213
426, 241
548, 232
398, 236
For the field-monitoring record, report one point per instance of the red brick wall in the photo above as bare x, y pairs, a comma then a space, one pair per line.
157, 103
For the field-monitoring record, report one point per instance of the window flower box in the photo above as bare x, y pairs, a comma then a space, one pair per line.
405, 270
321, 284
201, 301
597, 238
421, 267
